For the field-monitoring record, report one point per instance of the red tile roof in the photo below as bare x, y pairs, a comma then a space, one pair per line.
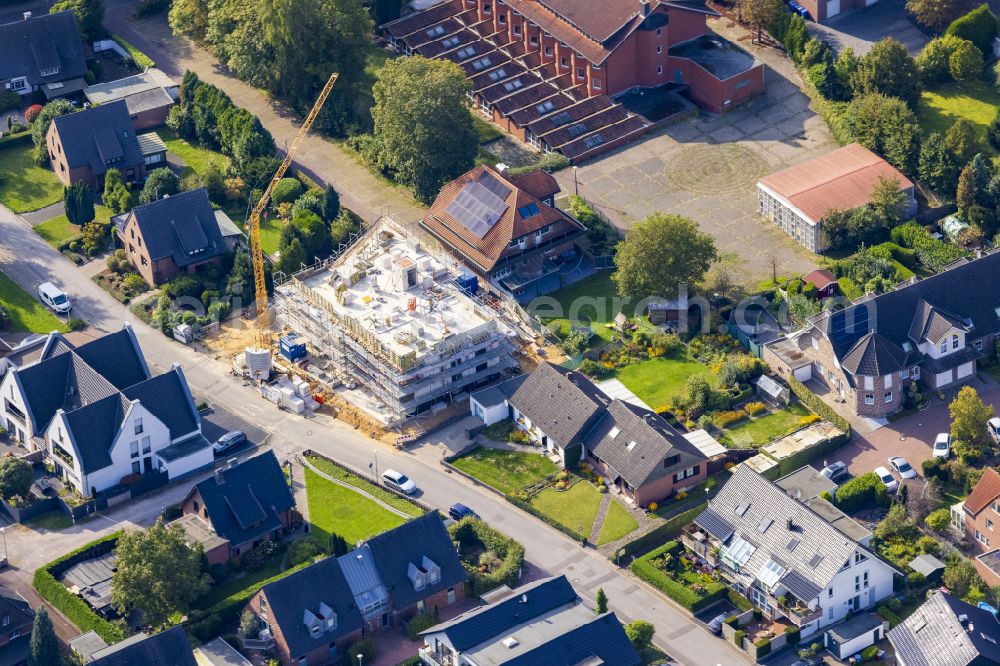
841, 180
819, 278
539, 184
985, 491
485, 252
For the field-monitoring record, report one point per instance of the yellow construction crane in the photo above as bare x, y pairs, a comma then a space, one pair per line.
263, 326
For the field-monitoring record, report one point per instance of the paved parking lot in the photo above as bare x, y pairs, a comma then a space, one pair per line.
862, 28
706, 168
910, 436
220, 421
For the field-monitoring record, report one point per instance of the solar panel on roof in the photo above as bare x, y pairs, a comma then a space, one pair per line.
476, 208
561, 119
528, 211
577, 130
492, 184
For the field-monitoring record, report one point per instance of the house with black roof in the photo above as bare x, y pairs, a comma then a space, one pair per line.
794, 559
173, 235
101, 416
16, 620
245, 503
313, 615
44, 53
946, 631
543, 622
84, 145
932, 330
167, 648
641, 455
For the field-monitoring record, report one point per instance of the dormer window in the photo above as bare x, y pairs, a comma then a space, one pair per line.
944, 347
49, 72
954, 341
424, 574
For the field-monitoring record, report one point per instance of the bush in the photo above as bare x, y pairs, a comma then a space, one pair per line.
640, 633
915, 579
966, 63
889, 616
815, 404
510, 551
738, 637
9, 101
363, 647
32, 112
794, 635
763, 647
303, 549
861, 492
286, 191
725, 419
182, 286
141, 60
134, 284
978, 26
938, 520
644, 569
420, 622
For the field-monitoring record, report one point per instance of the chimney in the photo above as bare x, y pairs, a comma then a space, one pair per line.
26, 15
645, 7
220, 475
791, 524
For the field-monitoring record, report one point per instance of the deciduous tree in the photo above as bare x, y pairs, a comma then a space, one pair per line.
888, 69
938, 166
422, 123
760, 14
15, 477
157, 573
661, 253
936, 14
40, 127
969, 415
89, 15
640, 633
159, 183
966, 62
889, 201
961, 140
965, 196
887, 126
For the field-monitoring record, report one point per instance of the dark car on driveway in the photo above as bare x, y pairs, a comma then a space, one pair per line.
715, 624
228, 442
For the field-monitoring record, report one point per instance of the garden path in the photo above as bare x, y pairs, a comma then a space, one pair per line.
647, 523
602, 513
387, 507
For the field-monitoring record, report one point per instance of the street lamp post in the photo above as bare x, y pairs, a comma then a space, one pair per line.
3, 535
361, 659
576, 186
375, 452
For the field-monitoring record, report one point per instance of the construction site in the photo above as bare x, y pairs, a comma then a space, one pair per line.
388, 323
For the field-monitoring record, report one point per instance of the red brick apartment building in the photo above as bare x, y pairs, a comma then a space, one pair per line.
547, 70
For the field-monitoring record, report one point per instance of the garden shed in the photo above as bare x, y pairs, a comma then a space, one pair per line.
773, 392
853, 635
928, 565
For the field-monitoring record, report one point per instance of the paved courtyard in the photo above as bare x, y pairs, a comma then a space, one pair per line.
706, 168
862, 28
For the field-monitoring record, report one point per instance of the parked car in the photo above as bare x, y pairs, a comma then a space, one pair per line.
458, 511
836, 472
891, 484
229, 441
54, 297
399, 481
899, 464
942, 445
715, 624
993, 426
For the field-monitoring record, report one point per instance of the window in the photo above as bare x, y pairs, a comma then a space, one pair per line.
670, 461
138, 426
15, 634
134, 446
517, 29
944, 347
857, 583
659, 70
865, 579
904, 373
659, 49
829, 593
978, 344
659, 32
544, 230
450, 42
196, 506
596, 83
545, 107
593, 141
981, 538
564, 63
888, 396
916, 373
18, 84
869, 399
435, 31
145, 444
869, 383
989, 524
6, 620
487, 8
502, 18
468, 51
135, 467
860, 557
548, 50
954, 341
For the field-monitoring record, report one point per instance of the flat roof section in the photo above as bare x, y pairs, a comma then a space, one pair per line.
719, 56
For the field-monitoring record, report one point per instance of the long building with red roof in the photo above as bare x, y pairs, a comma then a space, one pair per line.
548, 71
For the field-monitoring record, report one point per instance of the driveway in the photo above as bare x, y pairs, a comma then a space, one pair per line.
910, 436
860, 29
707, 168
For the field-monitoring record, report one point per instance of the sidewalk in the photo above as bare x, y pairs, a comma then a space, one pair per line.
320, 158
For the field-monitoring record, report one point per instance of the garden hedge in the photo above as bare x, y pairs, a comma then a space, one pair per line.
861, 492
643, 568
667, 530
511, 551
763, 647
813, 402
889, 616
141, 59
70, 605
738, 638
794, 635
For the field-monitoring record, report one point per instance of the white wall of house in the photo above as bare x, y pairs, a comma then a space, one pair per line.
488, 414
536, 434
10, 390
58, 435
181, 466
933, 349
856, 645
837, 599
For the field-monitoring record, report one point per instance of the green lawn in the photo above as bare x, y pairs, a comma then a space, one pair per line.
334, 509
58, 230
53, 520
25, 186
196, 158
389, 498
617, 524
591, 300
658, 380
234, 585
270, 232
506, 471
26, 313
761, 430
976, 101
575, 508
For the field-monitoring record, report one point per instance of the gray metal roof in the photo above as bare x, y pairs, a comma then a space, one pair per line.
87, 644
100, 137
806, 483
109, 91
363, 578
926, 564
150, 143
498, 393
167, 648
935, 636
858, 625
46, 41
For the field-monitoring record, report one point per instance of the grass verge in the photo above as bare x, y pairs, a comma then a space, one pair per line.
25, 186
58, 231
334, 509
384, 495
26, 314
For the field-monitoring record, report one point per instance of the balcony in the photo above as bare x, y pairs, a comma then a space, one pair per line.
796, 611
700, 543
429, 656
14, 413
264, 641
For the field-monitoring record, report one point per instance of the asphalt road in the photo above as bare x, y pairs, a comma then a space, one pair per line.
28, 260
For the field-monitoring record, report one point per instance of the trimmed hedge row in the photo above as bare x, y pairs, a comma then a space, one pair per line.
861, 492
667, 530
492, 539
889, 615
141, 59
9, 140
816, 404
690, 600
70, 605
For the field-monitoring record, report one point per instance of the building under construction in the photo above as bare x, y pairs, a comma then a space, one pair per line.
389, 316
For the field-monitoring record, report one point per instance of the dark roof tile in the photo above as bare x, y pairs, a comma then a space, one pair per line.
100, 137
182, 227
47, 41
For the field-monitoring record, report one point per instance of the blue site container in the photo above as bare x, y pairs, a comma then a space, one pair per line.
468, 283
292, 347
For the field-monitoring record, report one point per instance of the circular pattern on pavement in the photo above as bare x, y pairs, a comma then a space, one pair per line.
715, 168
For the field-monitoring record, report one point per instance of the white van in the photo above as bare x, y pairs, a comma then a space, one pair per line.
993, 426
54, 297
